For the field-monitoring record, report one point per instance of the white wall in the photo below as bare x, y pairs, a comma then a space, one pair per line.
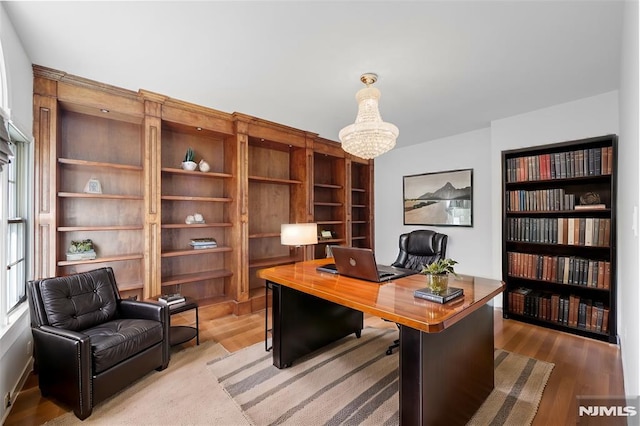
15, 357
469, 246
628, 161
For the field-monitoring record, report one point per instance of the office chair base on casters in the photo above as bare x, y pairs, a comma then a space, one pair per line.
396, 343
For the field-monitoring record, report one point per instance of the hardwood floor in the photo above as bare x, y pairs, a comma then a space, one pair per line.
582, 366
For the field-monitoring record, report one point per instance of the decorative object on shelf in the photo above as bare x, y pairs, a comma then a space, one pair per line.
93, 186
369, 136
204, 166
81, 250
298, 234
189, 163
203, 243
439, 199
194, 218
590, 200
326, 234
438, 274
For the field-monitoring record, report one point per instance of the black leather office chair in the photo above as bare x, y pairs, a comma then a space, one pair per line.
417, 249
89, 343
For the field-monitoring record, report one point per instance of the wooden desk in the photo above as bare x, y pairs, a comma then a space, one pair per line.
446, 351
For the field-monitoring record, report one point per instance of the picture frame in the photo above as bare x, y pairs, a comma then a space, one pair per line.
439, 198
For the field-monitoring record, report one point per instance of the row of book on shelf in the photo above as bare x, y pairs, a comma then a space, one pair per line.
568, 310
579, 231
539, 200
560, 269
561, 165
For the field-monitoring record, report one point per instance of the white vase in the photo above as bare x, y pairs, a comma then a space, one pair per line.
189, 165
204, 166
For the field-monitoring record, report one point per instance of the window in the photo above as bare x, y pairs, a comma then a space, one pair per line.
14, 203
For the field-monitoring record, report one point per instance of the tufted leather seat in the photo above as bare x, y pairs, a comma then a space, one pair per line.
89, 343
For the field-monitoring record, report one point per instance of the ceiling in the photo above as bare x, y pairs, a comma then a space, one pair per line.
445, 67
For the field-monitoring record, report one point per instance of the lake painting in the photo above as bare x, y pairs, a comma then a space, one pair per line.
439, 199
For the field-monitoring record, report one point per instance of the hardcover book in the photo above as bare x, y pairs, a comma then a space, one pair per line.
441, 297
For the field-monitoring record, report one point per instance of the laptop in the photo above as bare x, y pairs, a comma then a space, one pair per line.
361, 263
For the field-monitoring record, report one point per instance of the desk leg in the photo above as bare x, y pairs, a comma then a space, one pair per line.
446, 376
303, 323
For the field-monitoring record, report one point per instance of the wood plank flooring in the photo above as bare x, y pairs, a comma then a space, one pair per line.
582, 366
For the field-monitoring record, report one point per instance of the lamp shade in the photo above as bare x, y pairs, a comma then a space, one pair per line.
298, 234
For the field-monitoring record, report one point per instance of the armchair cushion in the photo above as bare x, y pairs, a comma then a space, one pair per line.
117, 340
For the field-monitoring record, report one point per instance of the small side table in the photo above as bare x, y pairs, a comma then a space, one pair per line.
179, 334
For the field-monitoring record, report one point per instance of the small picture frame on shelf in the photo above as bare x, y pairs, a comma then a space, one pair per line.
326, 234
93, 186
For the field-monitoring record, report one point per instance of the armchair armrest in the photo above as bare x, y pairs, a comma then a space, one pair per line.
64, 365
143, 310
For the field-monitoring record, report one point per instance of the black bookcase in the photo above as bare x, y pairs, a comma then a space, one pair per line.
559, 236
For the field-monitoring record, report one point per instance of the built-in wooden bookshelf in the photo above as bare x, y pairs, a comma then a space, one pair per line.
262, 174
558, 256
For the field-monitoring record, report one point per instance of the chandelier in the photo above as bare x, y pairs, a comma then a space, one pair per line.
369, 136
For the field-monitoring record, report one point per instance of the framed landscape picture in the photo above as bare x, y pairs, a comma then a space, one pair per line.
439, 199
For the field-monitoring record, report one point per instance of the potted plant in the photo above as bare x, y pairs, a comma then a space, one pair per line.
438, 274
189, 163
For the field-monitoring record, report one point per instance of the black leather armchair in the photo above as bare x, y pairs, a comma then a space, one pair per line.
417, 249
88, 342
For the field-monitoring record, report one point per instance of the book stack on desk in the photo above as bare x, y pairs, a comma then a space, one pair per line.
441, 297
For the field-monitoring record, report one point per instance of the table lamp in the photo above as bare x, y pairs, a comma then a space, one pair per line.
298, 234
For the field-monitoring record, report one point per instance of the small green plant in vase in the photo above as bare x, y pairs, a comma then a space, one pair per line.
438, 274
189, 160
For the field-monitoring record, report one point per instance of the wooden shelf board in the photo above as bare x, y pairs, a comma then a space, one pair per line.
332, 240
329, 222
196, 173
358, 206
196, 225
265, 235
320, 203
358, 222
274, 180
101, 260
359, 238
196, 276
272, 261
327, 185
101, 228
85, 163
358, 190
205, 199
192, 252
104, 196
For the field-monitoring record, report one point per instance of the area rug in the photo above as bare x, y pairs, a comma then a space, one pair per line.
353, 382
186, 393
